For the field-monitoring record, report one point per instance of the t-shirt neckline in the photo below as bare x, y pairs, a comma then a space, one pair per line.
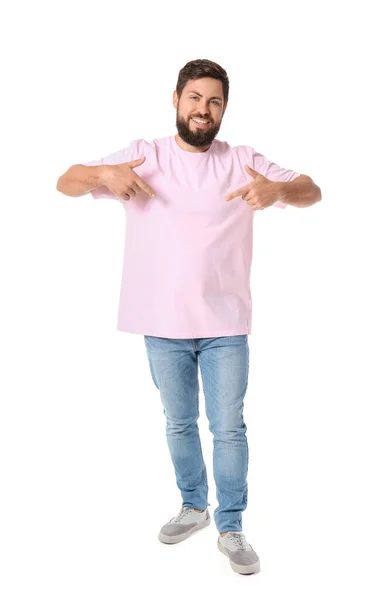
182, 152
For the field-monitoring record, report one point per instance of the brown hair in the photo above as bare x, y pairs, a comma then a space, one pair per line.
202, 67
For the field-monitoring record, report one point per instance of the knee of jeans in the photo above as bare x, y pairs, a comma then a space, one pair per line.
180, 422
228, 429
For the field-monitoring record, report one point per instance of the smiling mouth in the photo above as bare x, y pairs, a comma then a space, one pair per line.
203, 125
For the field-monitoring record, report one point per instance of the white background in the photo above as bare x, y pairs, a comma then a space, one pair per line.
85, 473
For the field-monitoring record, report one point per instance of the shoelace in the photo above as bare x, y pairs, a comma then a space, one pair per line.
183, 511
239, 540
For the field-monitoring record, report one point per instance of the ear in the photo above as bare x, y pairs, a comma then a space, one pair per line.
175, 99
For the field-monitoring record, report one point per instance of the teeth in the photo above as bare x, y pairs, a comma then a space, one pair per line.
199, 121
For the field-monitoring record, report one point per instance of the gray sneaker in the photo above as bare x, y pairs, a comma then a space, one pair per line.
186, 522
242, 557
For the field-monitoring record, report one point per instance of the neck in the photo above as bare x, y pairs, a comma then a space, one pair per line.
187, 147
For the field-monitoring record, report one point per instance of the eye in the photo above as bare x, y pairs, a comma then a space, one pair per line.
196, 97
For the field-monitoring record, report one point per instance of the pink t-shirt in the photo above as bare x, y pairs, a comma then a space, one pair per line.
188, 252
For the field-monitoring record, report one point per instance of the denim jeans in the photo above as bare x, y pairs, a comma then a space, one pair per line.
224, 366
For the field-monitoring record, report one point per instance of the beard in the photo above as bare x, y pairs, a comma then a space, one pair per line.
195, 137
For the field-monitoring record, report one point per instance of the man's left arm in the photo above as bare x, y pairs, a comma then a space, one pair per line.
300, 192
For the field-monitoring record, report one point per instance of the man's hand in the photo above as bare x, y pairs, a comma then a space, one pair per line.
122, 181
259, 193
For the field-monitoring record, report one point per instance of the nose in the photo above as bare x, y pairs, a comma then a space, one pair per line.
203, 108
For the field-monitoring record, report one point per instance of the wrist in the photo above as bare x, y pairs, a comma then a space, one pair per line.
281, 191
102, 174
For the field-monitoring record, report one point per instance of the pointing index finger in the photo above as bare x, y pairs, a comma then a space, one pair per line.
240, 192
144, 186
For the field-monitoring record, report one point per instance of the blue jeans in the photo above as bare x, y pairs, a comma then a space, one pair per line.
224, 366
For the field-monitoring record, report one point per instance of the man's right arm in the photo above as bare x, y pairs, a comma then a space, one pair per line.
79, 180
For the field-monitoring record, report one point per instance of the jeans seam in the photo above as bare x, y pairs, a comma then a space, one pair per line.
201, 450
204, 393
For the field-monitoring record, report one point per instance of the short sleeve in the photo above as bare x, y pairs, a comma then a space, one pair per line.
274, 172
115, 158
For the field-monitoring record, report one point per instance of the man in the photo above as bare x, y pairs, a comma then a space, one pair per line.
189, 202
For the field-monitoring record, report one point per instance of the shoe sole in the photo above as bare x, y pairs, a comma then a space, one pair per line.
242, 569
174, 539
